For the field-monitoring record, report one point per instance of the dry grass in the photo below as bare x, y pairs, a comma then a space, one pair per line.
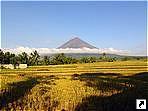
74, 87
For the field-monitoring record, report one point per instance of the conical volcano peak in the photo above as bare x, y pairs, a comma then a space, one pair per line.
77, 38
76, 42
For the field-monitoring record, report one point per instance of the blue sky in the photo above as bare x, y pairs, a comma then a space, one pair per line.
120, 25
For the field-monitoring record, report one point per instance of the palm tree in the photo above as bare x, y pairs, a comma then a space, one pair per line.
46, 60
7, 56
34, 58
23, 58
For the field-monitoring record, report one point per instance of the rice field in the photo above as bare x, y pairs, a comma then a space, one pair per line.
102, 86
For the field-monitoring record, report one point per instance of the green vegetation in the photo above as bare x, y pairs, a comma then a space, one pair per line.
95, 86
62, 59
34, 59
23, 58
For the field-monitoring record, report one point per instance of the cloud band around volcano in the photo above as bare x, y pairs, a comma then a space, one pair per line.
66, 50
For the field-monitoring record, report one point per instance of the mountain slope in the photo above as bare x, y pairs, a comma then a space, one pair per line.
76, 43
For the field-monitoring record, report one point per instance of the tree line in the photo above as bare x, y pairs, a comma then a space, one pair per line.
35, 59
23, 58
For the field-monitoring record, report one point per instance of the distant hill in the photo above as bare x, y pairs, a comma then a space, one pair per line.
78, 55
76, 43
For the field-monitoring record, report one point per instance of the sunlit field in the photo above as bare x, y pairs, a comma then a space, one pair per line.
100, 86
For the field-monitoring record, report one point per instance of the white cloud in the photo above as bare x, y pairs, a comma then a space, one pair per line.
114, 51
67, 50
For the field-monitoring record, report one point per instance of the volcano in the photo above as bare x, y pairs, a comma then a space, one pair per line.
76, 43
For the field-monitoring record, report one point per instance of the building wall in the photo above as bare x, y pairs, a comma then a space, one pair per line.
22, 66
11, 66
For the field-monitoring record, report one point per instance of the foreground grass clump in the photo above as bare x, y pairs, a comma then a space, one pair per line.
85, 92
57, 93
68, 93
